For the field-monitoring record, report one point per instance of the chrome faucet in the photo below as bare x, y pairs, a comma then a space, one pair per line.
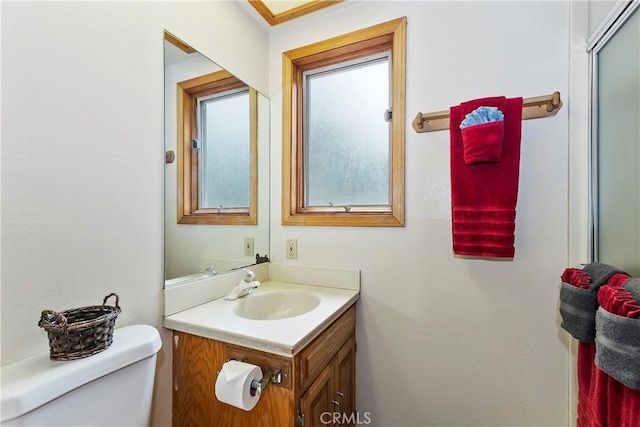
245, 287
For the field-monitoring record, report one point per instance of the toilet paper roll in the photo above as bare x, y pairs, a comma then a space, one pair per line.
233, 385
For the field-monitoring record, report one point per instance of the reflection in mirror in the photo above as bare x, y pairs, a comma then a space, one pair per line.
217, 140
216, 189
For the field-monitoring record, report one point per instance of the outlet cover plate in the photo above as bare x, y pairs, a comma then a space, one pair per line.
292, 249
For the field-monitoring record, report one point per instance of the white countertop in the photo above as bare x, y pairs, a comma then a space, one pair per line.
217, 320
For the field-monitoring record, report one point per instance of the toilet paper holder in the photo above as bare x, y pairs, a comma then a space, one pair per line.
271, 376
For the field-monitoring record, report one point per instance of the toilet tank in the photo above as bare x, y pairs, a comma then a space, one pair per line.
110, 388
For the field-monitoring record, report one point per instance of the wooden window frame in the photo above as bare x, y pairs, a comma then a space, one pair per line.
287, 15
188, 92
387, 36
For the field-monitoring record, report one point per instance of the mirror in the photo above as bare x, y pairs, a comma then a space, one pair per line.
204, 235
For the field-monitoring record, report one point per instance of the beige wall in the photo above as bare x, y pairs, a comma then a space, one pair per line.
445, 341
82, 155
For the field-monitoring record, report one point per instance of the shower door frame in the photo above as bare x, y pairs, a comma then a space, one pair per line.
610, 26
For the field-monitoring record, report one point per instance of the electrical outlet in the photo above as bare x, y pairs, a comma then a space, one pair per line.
292, 249
248, 246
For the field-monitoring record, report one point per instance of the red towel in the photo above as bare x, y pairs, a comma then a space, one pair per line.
592, 383
483, 142
576, 277
592, 388
602, 400
484, 195
623, 402
617, 300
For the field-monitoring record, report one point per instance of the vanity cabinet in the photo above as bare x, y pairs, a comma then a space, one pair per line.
318, 383
332, 393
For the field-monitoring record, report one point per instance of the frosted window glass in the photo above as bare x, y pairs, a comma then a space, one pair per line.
618, 151
347, 145
225, 151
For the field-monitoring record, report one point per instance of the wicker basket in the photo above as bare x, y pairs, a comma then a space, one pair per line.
80, 332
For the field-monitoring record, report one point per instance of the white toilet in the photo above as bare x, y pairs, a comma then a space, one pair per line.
110, 388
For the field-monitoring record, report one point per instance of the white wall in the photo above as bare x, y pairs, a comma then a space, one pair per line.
445, 341
82, 155
599, 10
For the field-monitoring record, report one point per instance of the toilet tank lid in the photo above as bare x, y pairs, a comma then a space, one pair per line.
30, 383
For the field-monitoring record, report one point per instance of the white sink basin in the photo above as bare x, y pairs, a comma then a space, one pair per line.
276, 305
278, 317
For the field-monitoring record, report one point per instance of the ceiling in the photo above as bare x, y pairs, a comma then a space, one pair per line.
278, 11
283, 6
273, 11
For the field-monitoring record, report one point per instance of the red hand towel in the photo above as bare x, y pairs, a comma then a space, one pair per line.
576, 277
484, 195
602, 400
615, 299
483, 142
592, 388
623, 402
592, 382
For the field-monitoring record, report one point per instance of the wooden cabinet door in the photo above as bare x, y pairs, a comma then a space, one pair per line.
344, 382
316, 404
194, 372
331, 399
196, 362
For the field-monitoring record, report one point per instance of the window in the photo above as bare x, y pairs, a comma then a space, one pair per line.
344, 129
217, 149
222, 124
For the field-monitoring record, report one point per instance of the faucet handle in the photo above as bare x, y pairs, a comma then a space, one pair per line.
248, 275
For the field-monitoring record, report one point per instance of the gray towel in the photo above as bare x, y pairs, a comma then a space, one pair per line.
578, 311
600, 273
633, 287
578, 306
618, 347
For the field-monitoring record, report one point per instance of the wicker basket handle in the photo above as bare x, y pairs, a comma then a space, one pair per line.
48, 315
112, 294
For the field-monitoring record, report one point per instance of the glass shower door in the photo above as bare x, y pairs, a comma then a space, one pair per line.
616, 153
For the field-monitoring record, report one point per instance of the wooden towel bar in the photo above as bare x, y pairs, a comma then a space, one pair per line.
532, 108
